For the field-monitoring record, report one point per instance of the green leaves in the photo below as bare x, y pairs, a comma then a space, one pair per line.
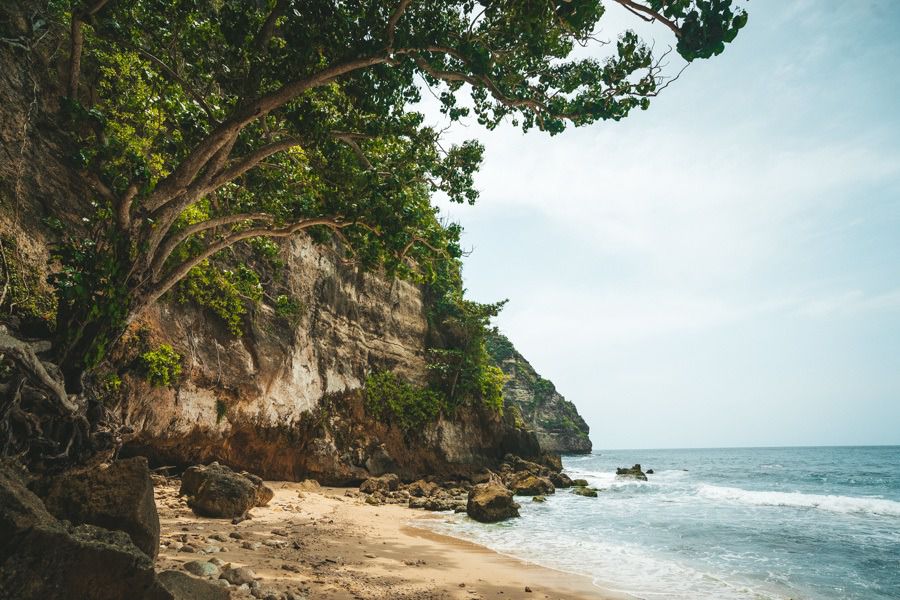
389, 398
162, 366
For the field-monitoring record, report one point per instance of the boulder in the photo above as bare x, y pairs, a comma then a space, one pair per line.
117, 497
588, 492
238, 576
417, 502
634, 472
552, 461
422, 488
443, 502
539, 499
649, 471
561, 480
519, 464
580, 482
43, 558
491, 502
310, 485
386, 483
202, 568
184, 587
217, 491
530, 485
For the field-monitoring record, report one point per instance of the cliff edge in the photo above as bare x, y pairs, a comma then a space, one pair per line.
555, 420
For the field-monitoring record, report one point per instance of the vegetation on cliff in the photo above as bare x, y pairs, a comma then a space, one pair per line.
554, 419
199, 126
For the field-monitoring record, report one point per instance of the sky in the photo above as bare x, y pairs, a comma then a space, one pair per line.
724, 268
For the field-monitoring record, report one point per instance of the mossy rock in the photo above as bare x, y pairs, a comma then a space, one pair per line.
587, 492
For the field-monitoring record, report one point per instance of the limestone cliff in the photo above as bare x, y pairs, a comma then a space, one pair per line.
554, 419
284, 400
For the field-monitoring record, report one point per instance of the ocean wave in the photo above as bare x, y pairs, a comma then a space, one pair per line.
838, 504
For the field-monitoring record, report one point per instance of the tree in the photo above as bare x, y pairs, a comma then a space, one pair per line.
204, 124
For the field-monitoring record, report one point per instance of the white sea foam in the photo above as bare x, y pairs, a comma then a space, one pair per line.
838, 504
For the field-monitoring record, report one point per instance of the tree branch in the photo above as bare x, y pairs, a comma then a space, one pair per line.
178, 181
77, 44
393, 20
636, 7
245, 163
172, 74
180, 236
264, 36
179, 272
350, 140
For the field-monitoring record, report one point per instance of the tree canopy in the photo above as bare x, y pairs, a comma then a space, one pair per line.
205, 123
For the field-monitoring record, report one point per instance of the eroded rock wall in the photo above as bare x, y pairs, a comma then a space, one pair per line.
284, 399
555, 420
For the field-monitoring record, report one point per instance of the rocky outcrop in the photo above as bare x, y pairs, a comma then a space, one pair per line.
339, 443
531, 485
491, 502
634, 472
554, 419
118, 497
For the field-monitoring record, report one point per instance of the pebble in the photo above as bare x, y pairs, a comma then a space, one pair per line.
236, 535
188, 548
250, 545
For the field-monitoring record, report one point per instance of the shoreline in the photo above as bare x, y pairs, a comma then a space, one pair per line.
325, 543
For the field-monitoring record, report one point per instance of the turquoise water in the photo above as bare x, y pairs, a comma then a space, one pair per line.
766, 523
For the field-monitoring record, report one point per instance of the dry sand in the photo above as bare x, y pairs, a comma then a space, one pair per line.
323, 544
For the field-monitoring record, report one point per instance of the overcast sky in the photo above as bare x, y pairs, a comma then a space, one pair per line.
723, 269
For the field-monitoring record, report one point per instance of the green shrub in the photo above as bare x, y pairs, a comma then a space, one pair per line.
162, 366
288, 309
226, 293
411, 407
491, 381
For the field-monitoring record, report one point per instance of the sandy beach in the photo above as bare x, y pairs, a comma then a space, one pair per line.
326, 544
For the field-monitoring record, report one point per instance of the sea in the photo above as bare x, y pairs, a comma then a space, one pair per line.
749, 523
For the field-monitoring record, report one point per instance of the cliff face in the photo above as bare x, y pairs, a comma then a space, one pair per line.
284, 400
555, 420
